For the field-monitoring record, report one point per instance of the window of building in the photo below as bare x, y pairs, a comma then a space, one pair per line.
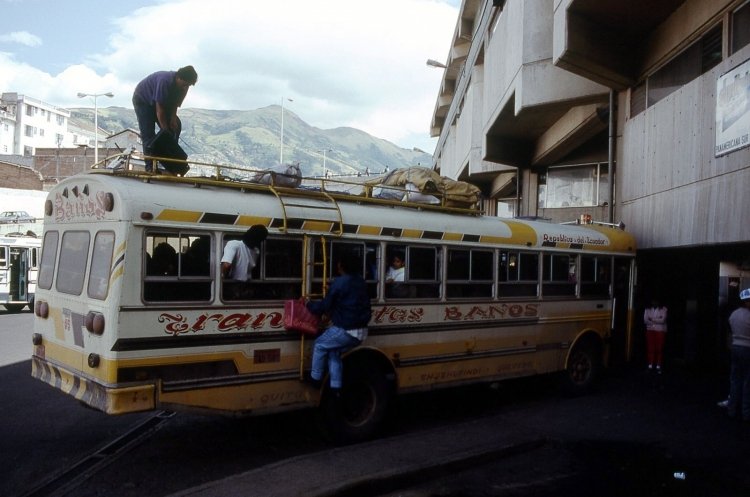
28, 131
4, 257
506, 207
741, 27
30, 110
573, 186
61, 120
697, 59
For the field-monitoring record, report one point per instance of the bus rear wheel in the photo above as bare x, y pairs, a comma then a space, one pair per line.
358, 411
582, 369
13, 308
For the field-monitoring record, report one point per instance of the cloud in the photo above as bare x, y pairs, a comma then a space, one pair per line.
22, 38
343, 62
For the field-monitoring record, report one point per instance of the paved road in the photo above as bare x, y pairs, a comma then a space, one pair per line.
629, 438
638, 436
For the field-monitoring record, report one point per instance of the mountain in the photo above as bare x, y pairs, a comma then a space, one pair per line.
251, 139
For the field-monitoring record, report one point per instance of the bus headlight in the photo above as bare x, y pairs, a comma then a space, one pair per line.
94, 322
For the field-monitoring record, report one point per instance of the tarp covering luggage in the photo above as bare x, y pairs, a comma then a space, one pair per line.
421, 184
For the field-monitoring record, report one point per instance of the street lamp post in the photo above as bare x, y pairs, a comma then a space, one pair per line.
434, 63
96, 119
281, 141
325, 171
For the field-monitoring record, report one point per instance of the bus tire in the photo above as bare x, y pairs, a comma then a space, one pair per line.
14, 308
582, 369
358, 412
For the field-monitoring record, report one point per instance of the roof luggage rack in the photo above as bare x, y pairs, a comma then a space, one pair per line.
330, 191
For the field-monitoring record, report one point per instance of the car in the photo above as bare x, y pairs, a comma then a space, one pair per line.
16, 217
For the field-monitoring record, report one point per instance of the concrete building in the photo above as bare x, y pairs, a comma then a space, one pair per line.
633, 111
36, 124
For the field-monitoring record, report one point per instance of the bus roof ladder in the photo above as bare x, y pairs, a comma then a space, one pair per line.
286, 198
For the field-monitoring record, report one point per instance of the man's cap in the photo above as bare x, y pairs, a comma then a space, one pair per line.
745, 294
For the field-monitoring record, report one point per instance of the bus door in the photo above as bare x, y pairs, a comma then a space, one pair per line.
19, 274
622, 311
314, 280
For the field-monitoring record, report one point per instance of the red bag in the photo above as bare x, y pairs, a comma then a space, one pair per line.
297, 317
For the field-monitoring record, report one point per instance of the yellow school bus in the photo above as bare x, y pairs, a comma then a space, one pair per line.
132, 313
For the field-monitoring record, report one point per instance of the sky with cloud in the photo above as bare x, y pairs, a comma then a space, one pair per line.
340, 62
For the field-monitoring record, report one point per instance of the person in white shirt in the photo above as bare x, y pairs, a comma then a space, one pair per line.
241, 256
395, 273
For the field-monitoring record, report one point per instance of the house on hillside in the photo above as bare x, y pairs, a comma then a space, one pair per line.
125, 140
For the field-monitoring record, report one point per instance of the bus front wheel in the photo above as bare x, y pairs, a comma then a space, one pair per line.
358, 411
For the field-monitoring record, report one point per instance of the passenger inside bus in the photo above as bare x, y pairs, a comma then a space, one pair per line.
163, 262
239, 259
394, 277
197, 258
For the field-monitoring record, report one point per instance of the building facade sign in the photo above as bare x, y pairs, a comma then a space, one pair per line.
733, 110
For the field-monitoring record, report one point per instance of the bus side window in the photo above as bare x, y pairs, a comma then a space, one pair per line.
281, 277
422, 269
469, 273
517, 274
3, 257
595, 276
34, 258
177, 267
559, 274
360, 252
396, 281
196, 259
101, 261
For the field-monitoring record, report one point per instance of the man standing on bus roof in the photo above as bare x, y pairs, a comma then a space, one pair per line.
347, 304
156, 100
241, 256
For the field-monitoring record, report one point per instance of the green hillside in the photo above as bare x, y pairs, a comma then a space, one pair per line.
251, 139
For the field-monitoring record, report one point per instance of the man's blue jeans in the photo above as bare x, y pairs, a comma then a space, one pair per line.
147, 122
327, 350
